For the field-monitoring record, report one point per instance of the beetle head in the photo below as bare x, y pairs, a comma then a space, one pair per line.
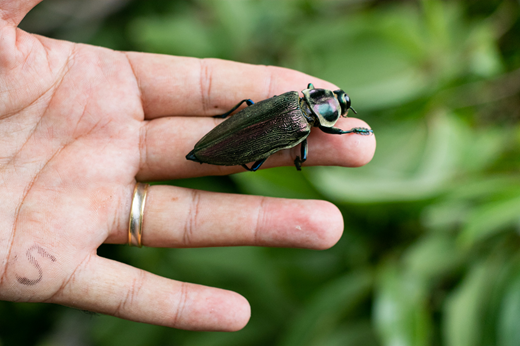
344, 101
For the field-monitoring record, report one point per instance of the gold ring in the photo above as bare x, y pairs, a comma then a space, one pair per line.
135, 221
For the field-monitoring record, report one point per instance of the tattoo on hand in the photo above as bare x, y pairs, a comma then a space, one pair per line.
41, 251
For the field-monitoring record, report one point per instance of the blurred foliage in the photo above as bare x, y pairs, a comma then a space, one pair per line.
430, 250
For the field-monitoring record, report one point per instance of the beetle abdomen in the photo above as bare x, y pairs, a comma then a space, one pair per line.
255, 132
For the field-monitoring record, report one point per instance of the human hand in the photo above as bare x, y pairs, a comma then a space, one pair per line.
80, 124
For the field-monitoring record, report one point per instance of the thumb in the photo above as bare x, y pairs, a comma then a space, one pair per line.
12, 12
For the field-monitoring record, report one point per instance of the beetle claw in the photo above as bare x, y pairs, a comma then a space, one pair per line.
362, 131
298, 163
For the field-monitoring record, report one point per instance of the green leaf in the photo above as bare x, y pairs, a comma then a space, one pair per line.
485, 58
465, 307
412, 163
107, 330
400, 310
353, 333
491, 218
432, 257
378, 70
322, 315
445, 215
173, 34
284, 182
508, 331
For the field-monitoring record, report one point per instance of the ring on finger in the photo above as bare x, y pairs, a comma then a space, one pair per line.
135, 221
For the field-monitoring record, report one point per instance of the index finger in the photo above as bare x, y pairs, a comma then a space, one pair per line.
172, 85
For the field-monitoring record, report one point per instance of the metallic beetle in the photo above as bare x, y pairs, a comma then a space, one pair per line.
280, 122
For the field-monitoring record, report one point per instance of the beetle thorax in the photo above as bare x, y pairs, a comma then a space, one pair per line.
323, 105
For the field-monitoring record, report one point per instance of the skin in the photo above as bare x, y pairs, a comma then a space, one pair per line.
79, 125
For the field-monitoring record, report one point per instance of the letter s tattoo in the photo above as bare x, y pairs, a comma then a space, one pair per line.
41, 251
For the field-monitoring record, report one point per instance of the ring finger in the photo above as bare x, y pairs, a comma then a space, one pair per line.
179, 217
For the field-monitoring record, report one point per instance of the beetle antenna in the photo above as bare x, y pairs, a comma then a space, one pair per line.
353, 110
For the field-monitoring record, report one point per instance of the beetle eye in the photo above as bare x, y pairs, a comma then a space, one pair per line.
343, 100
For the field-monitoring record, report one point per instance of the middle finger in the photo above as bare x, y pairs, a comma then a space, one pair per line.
166, 141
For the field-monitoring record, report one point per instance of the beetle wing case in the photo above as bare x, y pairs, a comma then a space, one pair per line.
255, 132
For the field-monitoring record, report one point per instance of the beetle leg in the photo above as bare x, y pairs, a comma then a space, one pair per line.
358, 130
304, 150
248, 101
255, 165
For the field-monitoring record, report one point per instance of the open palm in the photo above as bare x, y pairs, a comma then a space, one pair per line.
80, 124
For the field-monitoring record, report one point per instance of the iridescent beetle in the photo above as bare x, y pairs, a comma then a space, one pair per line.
280, 122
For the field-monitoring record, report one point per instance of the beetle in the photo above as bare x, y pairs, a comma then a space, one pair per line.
280, 122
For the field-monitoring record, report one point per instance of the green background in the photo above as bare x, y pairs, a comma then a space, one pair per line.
430, 253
